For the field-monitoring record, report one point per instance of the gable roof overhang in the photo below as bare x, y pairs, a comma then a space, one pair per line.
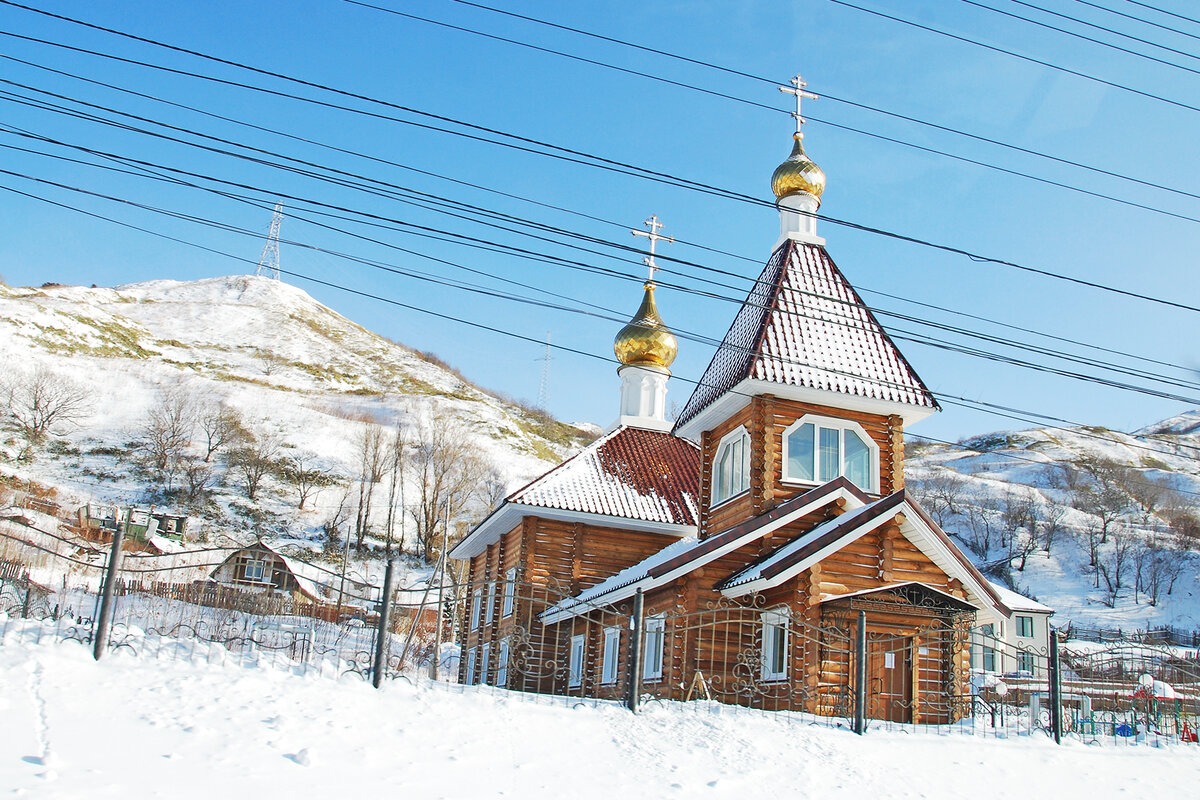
655, 571
510, 514
925, 594
740, 395
799, 555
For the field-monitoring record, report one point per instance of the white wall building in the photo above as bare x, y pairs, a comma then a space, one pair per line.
1021, 644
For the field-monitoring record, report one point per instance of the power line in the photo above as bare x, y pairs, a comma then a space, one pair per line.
1012, 54
1136, 18
570, 154
1164, 11
1091, 39
948, 398
902, 335
1099, 170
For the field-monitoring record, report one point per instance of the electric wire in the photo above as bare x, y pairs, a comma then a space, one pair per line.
987, 408
577, 156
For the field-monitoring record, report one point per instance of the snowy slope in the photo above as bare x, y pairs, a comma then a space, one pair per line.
286, 363
179, 730
1032, 465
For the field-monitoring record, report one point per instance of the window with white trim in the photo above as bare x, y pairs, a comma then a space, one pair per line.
510, 592
774, 645
1024, 626
502, 664
476, 607
255, 570
490, 613
612, 651
1024, 661
471, 666
575, 664
731, 467
652, 657
483, 662
819, 449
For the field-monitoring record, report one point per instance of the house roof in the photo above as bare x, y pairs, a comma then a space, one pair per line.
1019, 602
829, 537
690, 554
912, 591
804, 326
630, 475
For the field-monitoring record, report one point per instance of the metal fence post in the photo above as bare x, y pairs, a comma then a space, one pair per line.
383, 634
1055, 689
860, 675
636, 646
107, 597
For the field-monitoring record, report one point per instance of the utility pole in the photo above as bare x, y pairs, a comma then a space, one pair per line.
437, 652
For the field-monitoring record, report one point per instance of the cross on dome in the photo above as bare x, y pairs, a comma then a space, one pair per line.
655, 225
797, 89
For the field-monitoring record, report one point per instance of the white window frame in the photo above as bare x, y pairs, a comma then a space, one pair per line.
471, 666
502, 664
775, 636
840, 425
261, 570
575, 662
510, 592
489, 612
652, 653
988, 658
485, 657
476, 606
1020, 625
1026, 662
724, 490
612, 652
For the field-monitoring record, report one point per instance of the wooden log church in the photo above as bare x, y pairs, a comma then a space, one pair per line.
755, 527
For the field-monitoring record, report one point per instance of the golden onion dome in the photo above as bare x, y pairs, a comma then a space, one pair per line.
798, 173
646, 341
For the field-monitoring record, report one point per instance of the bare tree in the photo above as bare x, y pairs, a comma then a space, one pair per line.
306, 475
198, 477
1051, 518
941, 495
1113, 568
371, 448
41, 400
448, 470
254, 459
167, 432
1106, 495
222, 427
983, 519
397, 455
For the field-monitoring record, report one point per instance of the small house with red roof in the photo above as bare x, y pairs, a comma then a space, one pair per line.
759, 530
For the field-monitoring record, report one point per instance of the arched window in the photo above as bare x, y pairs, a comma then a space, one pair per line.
731, 467
819, 449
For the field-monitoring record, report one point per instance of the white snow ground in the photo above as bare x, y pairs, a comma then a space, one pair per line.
139, 728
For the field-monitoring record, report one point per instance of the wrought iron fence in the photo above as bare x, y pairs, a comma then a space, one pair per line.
857, 665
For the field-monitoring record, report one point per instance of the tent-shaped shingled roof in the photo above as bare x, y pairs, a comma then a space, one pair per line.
803, 325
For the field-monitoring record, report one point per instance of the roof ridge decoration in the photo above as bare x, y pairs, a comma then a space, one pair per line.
803, 326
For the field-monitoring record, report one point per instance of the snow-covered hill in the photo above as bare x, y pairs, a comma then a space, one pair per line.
289, 367
1130, 498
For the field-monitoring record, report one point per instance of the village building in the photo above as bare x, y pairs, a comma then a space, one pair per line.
752, 531
1020, 645
259, 568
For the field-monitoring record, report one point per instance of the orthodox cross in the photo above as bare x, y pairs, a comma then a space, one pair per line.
655, 225
797, 88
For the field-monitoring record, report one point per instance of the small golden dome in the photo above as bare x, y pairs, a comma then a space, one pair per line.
798, 173
646, 341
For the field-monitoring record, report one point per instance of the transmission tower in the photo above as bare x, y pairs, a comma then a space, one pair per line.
544, 387
268, 262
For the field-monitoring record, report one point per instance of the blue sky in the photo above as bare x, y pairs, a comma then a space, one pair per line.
843, 53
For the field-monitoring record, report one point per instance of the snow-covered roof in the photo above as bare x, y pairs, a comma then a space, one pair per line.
804, 326
1019, 602
631, 475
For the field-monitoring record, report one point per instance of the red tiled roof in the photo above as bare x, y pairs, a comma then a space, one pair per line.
631, 472
804, 325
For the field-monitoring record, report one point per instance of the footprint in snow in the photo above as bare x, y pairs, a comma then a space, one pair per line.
302, 757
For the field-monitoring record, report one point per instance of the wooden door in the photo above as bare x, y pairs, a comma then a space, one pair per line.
889, 678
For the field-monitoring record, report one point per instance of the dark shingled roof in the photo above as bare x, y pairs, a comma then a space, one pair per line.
804, 325
631, 472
